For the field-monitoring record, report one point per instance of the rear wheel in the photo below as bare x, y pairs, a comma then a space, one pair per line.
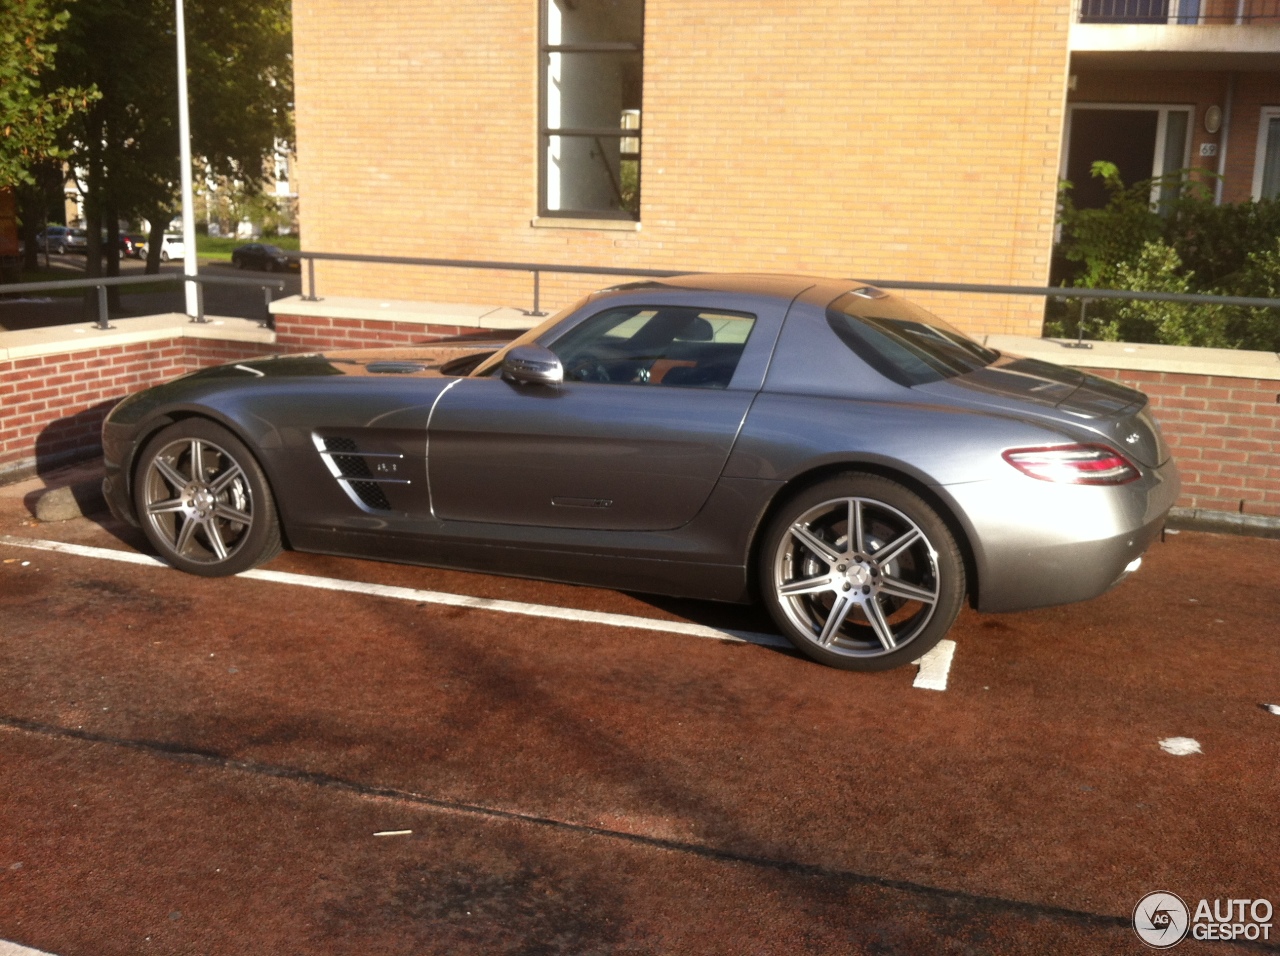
861, 574
203, 500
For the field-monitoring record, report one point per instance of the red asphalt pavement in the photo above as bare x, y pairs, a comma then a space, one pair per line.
201, 766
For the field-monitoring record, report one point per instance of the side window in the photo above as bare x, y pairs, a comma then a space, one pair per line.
660, 345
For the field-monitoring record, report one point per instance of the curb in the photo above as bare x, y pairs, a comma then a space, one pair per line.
1223, 522
71, 501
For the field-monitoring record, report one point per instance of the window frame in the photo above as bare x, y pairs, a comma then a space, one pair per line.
1265, 117
546, 132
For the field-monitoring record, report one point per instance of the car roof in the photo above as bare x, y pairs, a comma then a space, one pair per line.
773, 285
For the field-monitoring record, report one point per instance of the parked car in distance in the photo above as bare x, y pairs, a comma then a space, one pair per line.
133, 245
834, 451
172, 247
261, 255
61, 240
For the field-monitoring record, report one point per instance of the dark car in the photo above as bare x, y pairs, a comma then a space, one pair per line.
257, 255
133, 245
827, 448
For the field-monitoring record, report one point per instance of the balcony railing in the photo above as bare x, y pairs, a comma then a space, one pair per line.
1179, 12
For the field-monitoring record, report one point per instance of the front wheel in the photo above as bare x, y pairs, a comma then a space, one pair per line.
861, 574
164, 256
203, 500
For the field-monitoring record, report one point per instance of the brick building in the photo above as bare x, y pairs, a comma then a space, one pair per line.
906, 140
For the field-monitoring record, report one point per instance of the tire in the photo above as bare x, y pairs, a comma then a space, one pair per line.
164, 256
203, 500
833, 595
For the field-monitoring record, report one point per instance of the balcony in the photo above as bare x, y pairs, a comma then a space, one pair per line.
1179, 12
1176, 34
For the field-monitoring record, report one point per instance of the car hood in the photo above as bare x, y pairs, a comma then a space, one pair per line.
425, 361
1032, 388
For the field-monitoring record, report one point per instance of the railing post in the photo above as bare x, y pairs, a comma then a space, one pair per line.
311, 282
104, 321
270, 321
537, 294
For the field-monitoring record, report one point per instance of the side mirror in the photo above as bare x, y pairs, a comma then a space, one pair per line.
532, 365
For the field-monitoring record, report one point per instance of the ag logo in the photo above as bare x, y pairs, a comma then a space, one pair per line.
1160, 919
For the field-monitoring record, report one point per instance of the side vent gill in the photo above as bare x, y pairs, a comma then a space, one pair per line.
350, 466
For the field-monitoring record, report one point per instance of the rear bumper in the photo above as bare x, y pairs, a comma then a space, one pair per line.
1043, 544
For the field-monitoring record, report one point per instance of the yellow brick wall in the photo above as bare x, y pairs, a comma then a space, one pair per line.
892, 140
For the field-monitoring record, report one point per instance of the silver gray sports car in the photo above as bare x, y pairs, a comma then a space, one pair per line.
819, 445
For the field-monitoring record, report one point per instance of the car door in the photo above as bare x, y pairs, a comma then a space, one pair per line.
635, 438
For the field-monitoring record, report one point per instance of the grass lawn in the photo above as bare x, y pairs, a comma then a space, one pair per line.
218, 248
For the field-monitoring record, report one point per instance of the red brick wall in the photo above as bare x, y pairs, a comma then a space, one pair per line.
1225, 436
306, 333
52, 406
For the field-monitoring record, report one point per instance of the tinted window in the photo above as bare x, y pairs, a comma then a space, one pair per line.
904, 342
658, 345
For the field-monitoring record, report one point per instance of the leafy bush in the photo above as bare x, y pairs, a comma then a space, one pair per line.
1184, 244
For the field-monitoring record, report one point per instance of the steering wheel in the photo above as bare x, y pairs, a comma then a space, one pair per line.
591, 365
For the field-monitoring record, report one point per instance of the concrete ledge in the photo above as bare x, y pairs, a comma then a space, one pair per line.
1224, 522
395, 310
59, 339
1180, 359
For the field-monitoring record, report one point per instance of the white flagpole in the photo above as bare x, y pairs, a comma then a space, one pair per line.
190, 266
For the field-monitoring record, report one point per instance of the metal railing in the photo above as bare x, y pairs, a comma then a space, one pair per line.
1178, 12
102, 283
536, 269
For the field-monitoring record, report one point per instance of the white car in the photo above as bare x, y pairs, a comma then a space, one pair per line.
172, 248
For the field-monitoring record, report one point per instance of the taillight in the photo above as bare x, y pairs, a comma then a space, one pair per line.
1073, 464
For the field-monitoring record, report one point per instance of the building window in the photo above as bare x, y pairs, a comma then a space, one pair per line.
1144, 141
1266, 168
592, 60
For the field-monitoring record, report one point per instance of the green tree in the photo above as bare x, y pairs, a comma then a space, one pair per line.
31, 116
125, 146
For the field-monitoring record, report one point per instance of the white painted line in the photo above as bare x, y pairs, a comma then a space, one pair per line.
13, 949
935, 666
382, 833
428, 597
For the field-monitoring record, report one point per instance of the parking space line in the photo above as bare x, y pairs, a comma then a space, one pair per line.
429, 597
13, 949
935, 666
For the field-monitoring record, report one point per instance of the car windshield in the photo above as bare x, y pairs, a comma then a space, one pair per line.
902, 341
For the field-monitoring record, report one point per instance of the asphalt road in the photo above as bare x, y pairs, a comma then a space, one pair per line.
38, 310
255, 765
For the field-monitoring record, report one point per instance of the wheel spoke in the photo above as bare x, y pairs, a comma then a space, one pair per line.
839, 611
185, 533
215, 538
896, 547
197, 459
884, 631
164, 507
232, 515
170, 474
900, 588
806, 586
225, 479
855, 528
815, 544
